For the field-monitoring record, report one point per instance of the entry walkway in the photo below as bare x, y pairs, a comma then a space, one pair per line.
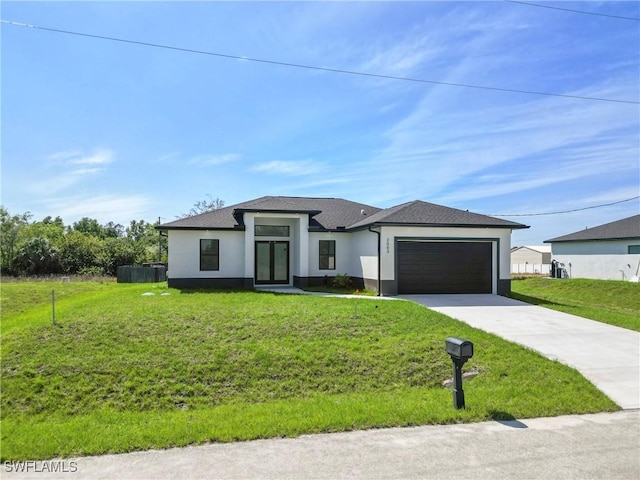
608, 356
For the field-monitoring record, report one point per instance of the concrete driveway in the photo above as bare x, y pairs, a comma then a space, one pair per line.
606, 355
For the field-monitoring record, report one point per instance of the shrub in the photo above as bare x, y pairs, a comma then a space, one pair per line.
93, 271
342, 281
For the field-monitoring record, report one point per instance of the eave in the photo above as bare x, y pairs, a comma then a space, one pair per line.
238, 228
435, 225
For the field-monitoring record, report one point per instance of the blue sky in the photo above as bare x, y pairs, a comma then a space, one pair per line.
117, 131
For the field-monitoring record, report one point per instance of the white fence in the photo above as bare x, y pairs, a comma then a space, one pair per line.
539, 268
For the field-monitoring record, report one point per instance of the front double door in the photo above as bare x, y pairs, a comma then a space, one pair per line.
272, 262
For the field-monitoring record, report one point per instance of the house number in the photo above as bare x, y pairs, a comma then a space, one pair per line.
388, 248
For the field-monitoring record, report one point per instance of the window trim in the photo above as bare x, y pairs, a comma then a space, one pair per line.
284, 228
209, 254
327, 256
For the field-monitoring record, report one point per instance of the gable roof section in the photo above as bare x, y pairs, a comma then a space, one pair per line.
339, 214
221, 219
618, 230
535, 248
325, 213
422, 213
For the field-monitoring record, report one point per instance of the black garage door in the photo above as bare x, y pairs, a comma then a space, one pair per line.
444, 267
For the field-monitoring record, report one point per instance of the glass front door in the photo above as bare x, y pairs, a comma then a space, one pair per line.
272, 262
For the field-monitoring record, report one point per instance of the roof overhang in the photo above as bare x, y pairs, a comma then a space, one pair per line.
577, 240
436, 225
237, 228
282, 211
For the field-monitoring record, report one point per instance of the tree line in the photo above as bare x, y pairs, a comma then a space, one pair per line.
86, 247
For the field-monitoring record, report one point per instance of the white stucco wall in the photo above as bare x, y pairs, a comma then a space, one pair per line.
343, 254
603, 267
604, 260
184, 254
364, 260
356, 252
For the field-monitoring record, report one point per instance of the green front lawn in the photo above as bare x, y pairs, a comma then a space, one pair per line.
124, 371
608, 301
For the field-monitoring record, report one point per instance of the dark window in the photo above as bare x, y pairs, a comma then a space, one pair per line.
634, 249
272, 230
209, 255
327, 254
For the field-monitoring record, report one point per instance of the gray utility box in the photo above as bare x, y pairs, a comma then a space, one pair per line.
459, 348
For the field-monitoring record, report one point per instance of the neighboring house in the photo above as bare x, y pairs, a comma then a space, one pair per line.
416, 247
531, 259
608, 252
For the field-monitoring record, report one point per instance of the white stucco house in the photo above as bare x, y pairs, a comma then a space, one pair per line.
416, 247
608, 252
531, 259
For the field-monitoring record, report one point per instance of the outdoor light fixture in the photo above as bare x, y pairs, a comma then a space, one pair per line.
460, 351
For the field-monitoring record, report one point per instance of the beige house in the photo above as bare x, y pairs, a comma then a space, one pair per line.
531, 259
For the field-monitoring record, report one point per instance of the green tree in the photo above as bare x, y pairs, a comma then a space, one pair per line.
48, 246
154, 241
79, 251
11, 227
89, 226
37, 257
141, 231
52, 230
56, 221
120, 251
113, 230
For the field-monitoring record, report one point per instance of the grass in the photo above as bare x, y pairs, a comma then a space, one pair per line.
123, 371
608, 301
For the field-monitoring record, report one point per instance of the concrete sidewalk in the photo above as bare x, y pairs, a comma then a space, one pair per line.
598, 446
606, 355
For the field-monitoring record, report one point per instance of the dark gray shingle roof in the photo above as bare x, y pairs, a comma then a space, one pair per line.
334, 213
418, 212
327, 213
620, 229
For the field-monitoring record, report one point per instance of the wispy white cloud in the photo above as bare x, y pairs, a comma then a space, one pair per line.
290, 168
116, 208
100, 156
401, 57
69, 189
86, 171
440, 48
568, 138
209, 160
65, 155
67, 169
166, 158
